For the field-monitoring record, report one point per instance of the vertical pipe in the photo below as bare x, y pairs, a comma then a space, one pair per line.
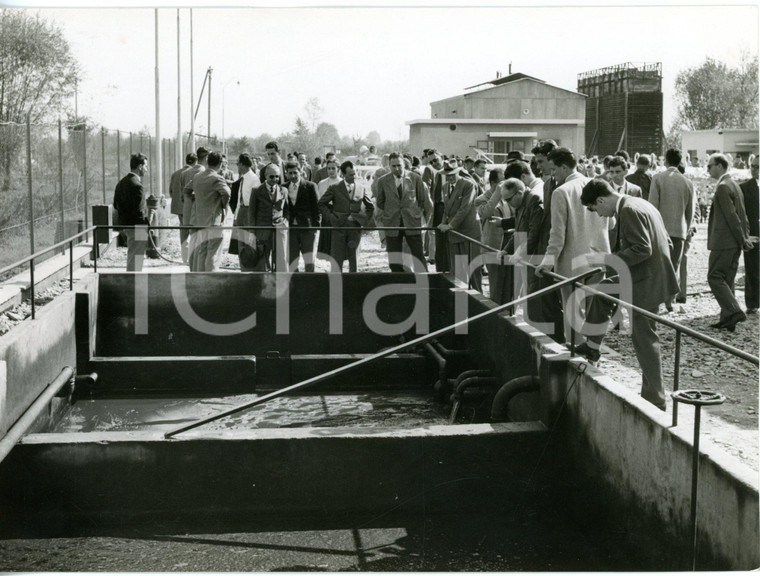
695, 485
677, 375
209, 106
31, 203
177, 151
103, 159
118, 154
159, 163
60, 180
192, 94
84, 177
154, 167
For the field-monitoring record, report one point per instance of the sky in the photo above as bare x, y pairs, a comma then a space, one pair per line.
370, 68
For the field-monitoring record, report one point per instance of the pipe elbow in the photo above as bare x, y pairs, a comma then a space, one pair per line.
508, 391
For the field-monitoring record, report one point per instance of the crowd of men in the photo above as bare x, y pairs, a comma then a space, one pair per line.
555, 211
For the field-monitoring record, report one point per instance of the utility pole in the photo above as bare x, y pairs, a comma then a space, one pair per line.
158, 165
178, 155
210, 70
192, 112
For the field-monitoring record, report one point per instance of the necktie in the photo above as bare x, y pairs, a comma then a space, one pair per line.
400, 192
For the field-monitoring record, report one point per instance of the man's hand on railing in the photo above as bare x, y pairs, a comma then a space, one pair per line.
444, 227
542, 268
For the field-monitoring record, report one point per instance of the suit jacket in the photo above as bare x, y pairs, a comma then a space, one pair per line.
264, 210
727, 226
490, 205
305, 211
411, 209
642, 242
673, 195
546, 220
235, 194
129, 201
643, 181
175, 189
336, 205
574, 230
528, 221
630, 189
212, 194
751, 205
459, 211
188, 196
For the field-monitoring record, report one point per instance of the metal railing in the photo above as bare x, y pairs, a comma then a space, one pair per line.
679, 328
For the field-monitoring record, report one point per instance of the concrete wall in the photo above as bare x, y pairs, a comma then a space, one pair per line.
719, 140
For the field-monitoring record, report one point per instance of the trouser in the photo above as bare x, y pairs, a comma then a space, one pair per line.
135, 248
442, 259
183, 239
394, 247
301, 242
676, 252
646, 344
721, 273
276, 254
683, 280
460, 256
207, 248
547, 309
501, 280
344, 246
752, 278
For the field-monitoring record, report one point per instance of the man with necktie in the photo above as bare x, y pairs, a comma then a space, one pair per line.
303, 213
618, 169
269, 207
752, 257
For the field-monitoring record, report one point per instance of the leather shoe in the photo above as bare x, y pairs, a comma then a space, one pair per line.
733, 320
681, 299
717, 325
751, 310
588, 352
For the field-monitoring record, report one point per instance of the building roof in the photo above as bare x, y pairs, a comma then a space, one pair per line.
505, 80
720, 130
570, 121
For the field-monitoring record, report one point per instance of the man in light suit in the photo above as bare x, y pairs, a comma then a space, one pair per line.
673, 195
727, 236
187, 237
175, 191
752, 257
346, 205
618, 170
212, 194
641, 241
129, 202
575, 232
403, 201
269, 207
303, 212
459, 215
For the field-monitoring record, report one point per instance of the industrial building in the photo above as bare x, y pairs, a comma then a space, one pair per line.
739, 142
623, 109
507, 113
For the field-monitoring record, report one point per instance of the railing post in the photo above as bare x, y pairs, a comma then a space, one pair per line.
103, 159
71, 264
95, 251
677, 375
31, 203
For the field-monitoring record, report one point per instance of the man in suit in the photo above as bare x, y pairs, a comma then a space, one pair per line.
495, 215
547, 310
437, 195
403, 201
641, 240
175, 191
241, 192
272, 150
212, 194
640, 176
303, 165
459, 215
342, 206
479, 175
618, 170
129, 202
727, 236
673, 195
187, 237
269, 207
575, 232
321, 174
752, 257
302, 212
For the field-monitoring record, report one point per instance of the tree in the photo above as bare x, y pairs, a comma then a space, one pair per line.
373, 138
38, 74
314, 112
327, 134
715, 96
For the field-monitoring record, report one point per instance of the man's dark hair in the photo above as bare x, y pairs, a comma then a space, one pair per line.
214, 159
202, 153
643, 160
317, 161
534, 167
517, 169
595, 189
415, 161
331, 161
425, 152
618, 162
673, 157
468, 160
330, 155
606, 161
245, 160
719, 159
545, 147
496, 175
480, 162
432, 152
563, 157
624, 155
272, 146
191, 159
345, 166
391, 156
291, 165
137, 160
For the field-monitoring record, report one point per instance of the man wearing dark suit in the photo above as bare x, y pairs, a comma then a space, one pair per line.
341, 205
269, 207
129, 202
302, 212
403, 201
752, 257
437, 195
640, 177
459, 216
641, 241
727, 236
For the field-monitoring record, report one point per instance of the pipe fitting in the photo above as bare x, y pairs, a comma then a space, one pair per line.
508, 391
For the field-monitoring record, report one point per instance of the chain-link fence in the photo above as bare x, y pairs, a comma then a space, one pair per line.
72, 168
